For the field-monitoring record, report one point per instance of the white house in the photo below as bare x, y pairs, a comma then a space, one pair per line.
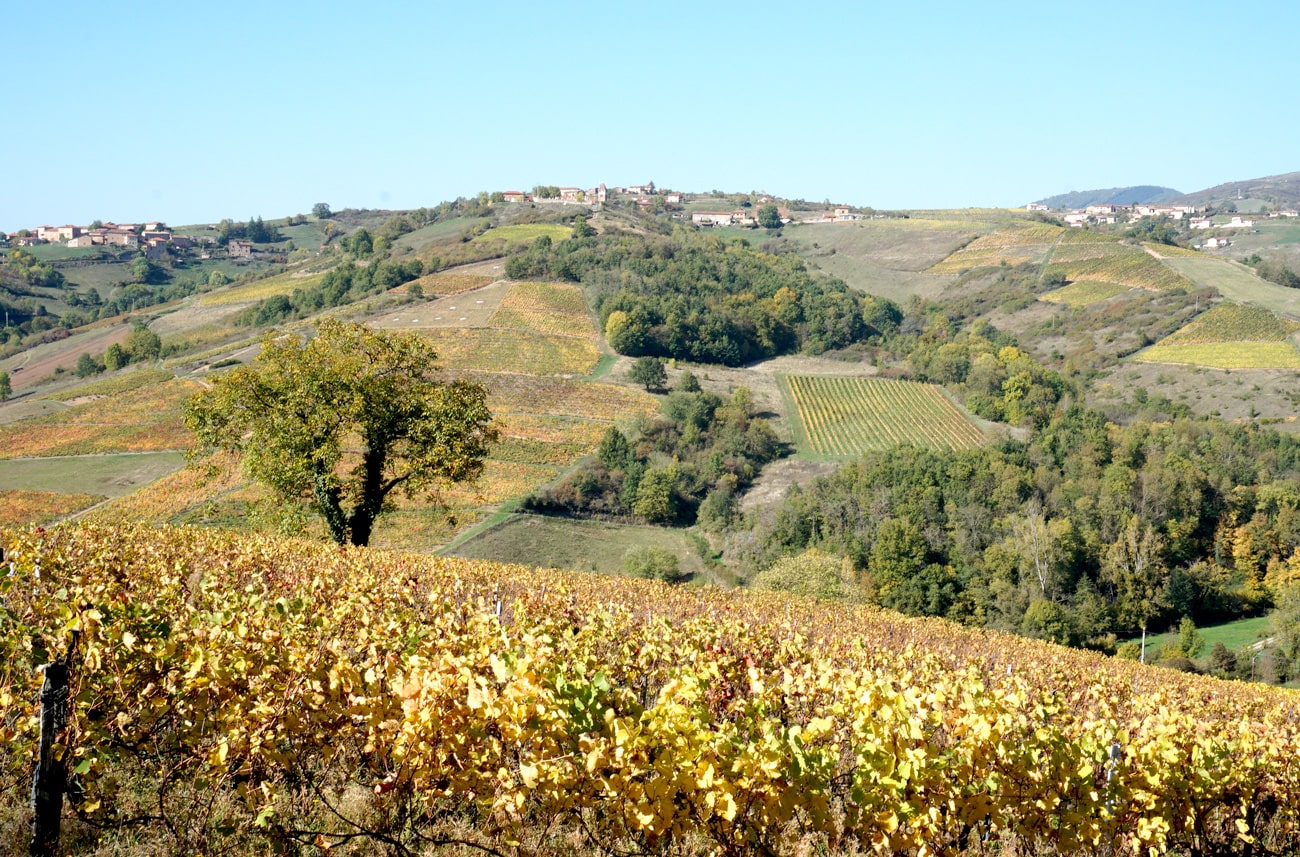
1202, 223
711, 218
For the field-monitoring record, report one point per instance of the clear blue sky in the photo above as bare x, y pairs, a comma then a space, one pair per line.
194, 112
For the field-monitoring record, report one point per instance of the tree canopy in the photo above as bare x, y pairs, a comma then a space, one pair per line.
344, 419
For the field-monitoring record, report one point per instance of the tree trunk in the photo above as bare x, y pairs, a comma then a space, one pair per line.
362, 520
327, 503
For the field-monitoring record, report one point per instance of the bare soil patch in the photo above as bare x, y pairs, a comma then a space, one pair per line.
31, 367
777, 477
468, 309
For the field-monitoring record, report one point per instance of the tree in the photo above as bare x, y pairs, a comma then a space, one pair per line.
769, 217
650, 372
5, 388
344, 420
86, 366
145, 271
115, 357
142, 344
321, 210
581, 228
654, 563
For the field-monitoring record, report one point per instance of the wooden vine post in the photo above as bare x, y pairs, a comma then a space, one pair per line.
49, 780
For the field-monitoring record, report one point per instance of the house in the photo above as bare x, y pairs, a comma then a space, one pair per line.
1238, 222
1097, 209
602, 193
28, 240
843, 213
642, 189
1076, 218
121, 237
673, 199
240, 249
1202, 223
645, 202
743, 217
514, 196
711, 218
154, 252
182, 242
1036, 206
1290, 212
84, 240
156, 226
1215, 243
570, 194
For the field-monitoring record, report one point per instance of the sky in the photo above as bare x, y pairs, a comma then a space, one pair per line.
189, 112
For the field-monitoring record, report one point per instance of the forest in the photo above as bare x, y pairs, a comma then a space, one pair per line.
706, 299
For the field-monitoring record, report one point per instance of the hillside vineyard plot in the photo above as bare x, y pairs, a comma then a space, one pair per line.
584, 714
844, 416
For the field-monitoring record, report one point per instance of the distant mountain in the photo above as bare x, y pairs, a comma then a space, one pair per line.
1283, 191
1111, 196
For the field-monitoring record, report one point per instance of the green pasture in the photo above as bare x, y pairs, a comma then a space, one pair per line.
526, 233
1237, 282
598, 546
108, 475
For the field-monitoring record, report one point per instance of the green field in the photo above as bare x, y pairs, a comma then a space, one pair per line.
421, 238
1225, 355
847, 416
1234, 635
563, 543
107, 475
889, 258
525, 233
1085, 292
1238, 283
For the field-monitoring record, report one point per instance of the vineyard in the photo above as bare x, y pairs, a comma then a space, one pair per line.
486, 349
449, 284
144, 419
546, 308
1229, 322
24, 508
1011, 246
1225, 355
119, 383
240, 695
1084, 293
847, 416
258, 290
1229, 336
1112, 262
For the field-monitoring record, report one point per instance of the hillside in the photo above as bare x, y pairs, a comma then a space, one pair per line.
309, 700
1281, 191
1111, 196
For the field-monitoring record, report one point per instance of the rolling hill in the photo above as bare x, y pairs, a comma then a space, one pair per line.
1111, 196
1281, 190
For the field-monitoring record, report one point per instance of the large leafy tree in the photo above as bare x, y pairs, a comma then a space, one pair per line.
345, 419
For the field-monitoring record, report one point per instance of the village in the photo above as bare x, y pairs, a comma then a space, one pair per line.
154, 239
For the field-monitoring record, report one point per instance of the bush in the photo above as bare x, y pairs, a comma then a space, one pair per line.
652, 562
